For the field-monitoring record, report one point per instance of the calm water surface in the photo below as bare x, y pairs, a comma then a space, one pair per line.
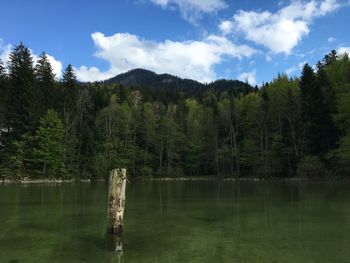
179, 222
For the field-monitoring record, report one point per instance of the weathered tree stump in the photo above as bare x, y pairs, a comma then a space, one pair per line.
116, 205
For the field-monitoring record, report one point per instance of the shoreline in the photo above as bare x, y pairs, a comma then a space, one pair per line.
248, 179
5, 181
45, 181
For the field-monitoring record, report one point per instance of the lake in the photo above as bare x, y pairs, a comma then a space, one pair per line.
191, 221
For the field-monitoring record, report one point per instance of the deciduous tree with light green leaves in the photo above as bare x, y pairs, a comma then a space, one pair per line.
50, 145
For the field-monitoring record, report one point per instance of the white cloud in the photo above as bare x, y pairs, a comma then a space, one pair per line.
295, 68
283, 30
188, 59
331, 39
56, 66
4, 51
192, 9
226, 27
343, 50
250, 77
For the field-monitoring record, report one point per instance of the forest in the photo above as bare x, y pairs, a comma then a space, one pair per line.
62, 128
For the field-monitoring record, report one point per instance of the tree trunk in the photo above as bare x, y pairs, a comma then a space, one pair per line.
116, 205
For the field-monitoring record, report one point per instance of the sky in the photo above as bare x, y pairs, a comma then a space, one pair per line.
203, 40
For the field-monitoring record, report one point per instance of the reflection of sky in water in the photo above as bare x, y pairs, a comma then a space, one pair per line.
179, 221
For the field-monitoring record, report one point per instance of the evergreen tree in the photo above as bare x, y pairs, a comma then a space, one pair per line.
3, 98
22, 109
3, 93
46, 81
20, 114
319, 128
70, 93
327, 60
69, 78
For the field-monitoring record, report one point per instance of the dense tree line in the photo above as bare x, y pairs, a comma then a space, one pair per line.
63, 128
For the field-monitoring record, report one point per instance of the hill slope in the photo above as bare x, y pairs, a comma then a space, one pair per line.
148, 79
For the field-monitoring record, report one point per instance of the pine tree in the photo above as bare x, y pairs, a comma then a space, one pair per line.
69, 78
70, 93
46, 80
21, 113
2, 70
327, 60
20, 95
3, 92
3, 97
319, 127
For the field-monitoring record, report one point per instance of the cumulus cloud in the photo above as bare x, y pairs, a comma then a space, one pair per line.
295, 68
4, 51
249, 77
283, 30
188, 59
192, 9
343, 50
56, 66
226, 27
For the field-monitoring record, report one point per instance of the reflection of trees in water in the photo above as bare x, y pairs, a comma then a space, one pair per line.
116, 258
240, 220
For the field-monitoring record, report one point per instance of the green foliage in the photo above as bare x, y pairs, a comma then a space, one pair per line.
46, 81
284, 125
50, 144
114, 126
195, 136
250, 119
3, 94
161, 125
343, 154
320, 133
20, 156
342, 117
69, 77
311, 166
21, 104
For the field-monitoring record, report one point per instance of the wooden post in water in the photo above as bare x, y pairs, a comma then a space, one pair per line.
116, 205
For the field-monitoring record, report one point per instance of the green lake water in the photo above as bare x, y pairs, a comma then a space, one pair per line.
179, 222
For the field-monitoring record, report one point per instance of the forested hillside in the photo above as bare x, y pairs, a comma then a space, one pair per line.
142, 78
64, 128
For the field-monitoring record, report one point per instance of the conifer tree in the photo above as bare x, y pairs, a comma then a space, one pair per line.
21, 85
2, 70
3, 91
70, 90
46, 80
319, 128
3, 96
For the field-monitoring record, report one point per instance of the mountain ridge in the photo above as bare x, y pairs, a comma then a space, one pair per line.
149, 79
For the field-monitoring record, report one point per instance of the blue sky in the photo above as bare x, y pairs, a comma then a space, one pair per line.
200, 39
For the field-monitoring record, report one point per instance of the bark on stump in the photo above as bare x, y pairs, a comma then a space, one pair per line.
116, 204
